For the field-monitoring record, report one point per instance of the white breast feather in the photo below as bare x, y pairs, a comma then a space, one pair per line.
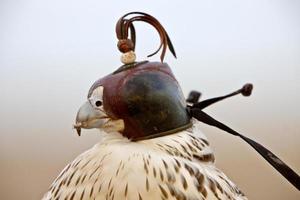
178, 166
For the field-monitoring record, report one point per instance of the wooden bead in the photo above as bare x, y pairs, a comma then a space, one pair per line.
128, 57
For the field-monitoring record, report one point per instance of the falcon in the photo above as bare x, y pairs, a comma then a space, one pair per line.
176, 166
151, 146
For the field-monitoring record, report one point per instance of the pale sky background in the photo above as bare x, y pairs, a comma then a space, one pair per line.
52, 51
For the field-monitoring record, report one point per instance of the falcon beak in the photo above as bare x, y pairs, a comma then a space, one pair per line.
78, 129
90, 117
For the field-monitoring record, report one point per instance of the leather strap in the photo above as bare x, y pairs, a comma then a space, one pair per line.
195, 111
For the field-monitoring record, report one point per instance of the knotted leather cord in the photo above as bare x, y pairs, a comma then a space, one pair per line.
195, 111
123, 26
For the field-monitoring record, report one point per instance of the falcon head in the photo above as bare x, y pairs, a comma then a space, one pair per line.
139, 101
92, 114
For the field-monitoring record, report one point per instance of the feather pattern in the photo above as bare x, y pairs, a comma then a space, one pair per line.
179, 166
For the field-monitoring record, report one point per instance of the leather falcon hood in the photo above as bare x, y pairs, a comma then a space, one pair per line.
147, 97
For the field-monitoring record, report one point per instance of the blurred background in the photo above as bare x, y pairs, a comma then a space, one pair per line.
52, 51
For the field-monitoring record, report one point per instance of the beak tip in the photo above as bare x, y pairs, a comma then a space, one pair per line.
78, 129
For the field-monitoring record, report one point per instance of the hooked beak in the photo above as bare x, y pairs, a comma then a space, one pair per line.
89, 117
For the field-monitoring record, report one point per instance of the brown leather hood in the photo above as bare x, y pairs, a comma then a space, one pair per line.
146, 96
